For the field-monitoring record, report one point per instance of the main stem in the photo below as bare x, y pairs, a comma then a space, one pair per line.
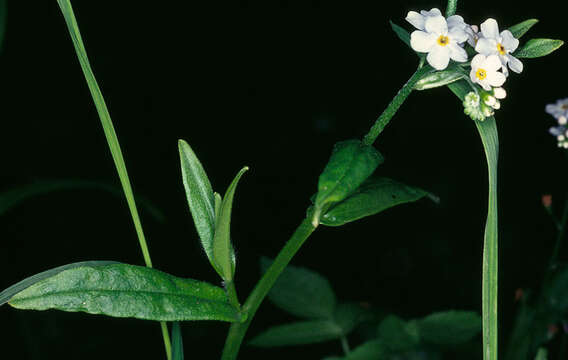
238, 330
394, 105
112, 140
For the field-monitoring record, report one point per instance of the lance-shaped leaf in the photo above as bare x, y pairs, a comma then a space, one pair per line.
223, 253
298, 333
440, 78
122, 290
521, 29
177, 342
401, 33
375, 195
374, 349
450, 327
351, 163
302, 292
199, 197
535, 48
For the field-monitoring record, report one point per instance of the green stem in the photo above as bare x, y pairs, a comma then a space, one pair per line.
238, 330
345, 345
232, 293
111, 138
394, 105
451, 8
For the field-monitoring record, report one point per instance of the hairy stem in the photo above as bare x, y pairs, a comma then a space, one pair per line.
394, 105
238, 330
451, 8
111, 138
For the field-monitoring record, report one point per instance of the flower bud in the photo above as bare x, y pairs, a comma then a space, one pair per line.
499, 93
547, 201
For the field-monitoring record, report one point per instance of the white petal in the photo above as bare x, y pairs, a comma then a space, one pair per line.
472, 76
432, 12
436, 25
495, 78
421, 41
456, 21
504, 69
477, 61
490, 29
457, 53
515, 64
499, 93
492, 63
509, 42
486, 46
415, 19
484, 84
439, 57
458, 35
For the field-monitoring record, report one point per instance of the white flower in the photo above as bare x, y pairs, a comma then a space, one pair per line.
484, 71
418, 20
559, 109
501, 44
473, 34
441, 43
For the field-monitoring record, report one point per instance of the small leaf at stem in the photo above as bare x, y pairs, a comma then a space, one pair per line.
401, 33
298, 333
350, 164
522, 28
450, 327
397, 334
122, 290
373, 196
535, 48
374, 349
223, 253
302, 292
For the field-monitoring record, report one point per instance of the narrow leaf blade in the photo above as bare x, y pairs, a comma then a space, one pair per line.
302, 292
200, 197
122, 290
177, 342
350, 164
298, 333
522, 28
401, 32
223, 253
535, 48
374, 196
450, 327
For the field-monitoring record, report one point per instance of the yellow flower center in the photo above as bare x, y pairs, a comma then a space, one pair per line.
443, 40
481, 74
501, 49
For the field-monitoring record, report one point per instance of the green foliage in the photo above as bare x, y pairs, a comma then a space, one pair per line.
222, 249
177, 342
402, 34
371, 350
522, 28
450, 327
122, 290
535, 48
350, 164
542, 354
440, 78
302, 292
298, 333
349, 315
373, 196
397, 334
200, 198
18, 195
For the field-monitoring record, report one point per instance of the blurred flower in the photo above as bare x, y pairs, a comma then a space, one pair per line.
501, 44
547, 201
484, 71
560, 109
439, 41
561, 134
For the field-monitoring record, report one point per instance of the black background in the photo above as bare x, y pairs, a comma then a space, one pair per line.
272, 85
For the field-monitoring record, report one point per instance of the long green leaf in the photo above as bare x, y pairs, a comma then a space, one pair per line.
7, 294
200, 198
450, 327
298, 333
223, 253
522, 28
350, 164
302, 292
106, 122
122, 290
535, 48
488, 131
375, 195
402, 34
177, 342
16, 196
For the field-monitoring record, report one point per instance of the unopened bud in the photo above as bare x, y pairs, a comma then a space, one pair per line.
562, 120
547, 201
499, 93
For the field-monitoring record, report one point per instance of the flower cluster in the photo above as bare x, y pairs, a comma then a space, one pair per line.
560, 113
445, 39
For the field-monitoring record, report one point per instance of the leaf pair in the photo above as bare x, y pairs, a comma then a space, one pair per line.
346, 192
121, 290
307, 294
211, 214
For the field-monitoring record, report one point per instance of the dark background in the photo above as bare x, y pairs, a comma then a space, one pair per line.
272, 85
